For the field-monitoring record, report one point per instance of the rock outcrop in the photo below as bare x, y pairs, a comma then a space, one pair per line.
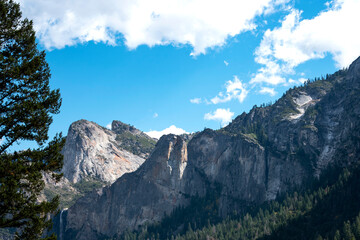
135, 198
260, 154
96, 152
95, 156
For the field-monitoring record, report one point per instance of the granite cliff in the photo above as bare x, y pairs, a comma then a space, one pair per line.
267, 151
95, 156
98, 152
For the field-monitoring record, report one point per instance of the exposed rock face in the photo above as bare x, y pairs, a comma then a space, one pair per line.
144, 195
64, 188
97, 155
93, 151
260, 154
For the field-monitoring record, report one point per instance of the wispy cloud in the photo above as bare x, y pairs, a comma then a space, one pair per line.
196, 100
223, 115
155, 115
234, 90
200, 24
299, 40
266, 90
226, 63
172, 129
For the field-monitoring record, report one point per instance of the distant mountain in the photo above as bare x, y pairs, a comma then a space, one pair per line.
260, 155
328, 208
95, 156
97, 152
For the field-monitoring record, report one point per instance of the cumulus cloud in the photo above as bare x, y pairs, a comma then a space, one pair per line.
172, 129
266, 90
223, 115
297, 82
296, 41
201, 24
234, 90
196, 100
155, 115
108, 126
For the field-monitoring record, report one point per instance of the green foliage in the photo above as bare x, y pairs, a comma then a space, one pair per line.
320, 84
69, 195
201, 212
253, 131
88, 185
26, 106
287, 107
309, 215
251, 136
328, 208
135, 144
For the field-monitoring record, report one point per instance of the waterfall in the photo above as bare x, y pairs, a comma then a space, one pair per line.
61, 227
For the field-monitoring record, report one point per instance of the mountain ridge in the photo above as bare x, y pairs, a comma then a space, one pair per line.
95, 156
259, 155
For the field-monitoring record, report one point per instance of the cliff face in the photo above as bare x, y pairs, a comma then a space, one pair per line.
95, 156
94, 151
260, 154
136, 198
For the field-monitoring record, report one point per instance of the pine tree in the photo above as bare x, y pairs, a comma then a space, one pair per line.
348, 235
26, 106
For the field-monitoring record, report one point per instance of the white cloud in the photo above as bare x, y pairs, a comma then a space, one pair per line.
220, 114
266, 90
155, 115
172, 129
108, 126
292, 81
297, 41
302, 80
226, 63
196, 100
201, 24
234, 90
297, 82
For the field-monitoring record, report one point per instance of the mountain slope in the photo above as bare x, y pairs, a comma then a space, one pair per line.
132, 139
328, 204
96, 152
260, 155
95, 156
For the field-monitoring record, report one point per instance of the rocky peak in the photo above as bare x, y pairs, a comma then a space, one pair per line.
120, 127
354, 68
255, 158
168, 162
167, 146
132, 139
92, 151
152, 190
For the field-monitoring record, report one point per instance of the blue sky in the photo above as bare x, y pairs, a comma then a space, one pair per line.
191, 64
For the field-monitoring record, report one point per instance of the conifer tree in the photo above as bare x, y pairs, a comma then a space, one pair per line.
26, 107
